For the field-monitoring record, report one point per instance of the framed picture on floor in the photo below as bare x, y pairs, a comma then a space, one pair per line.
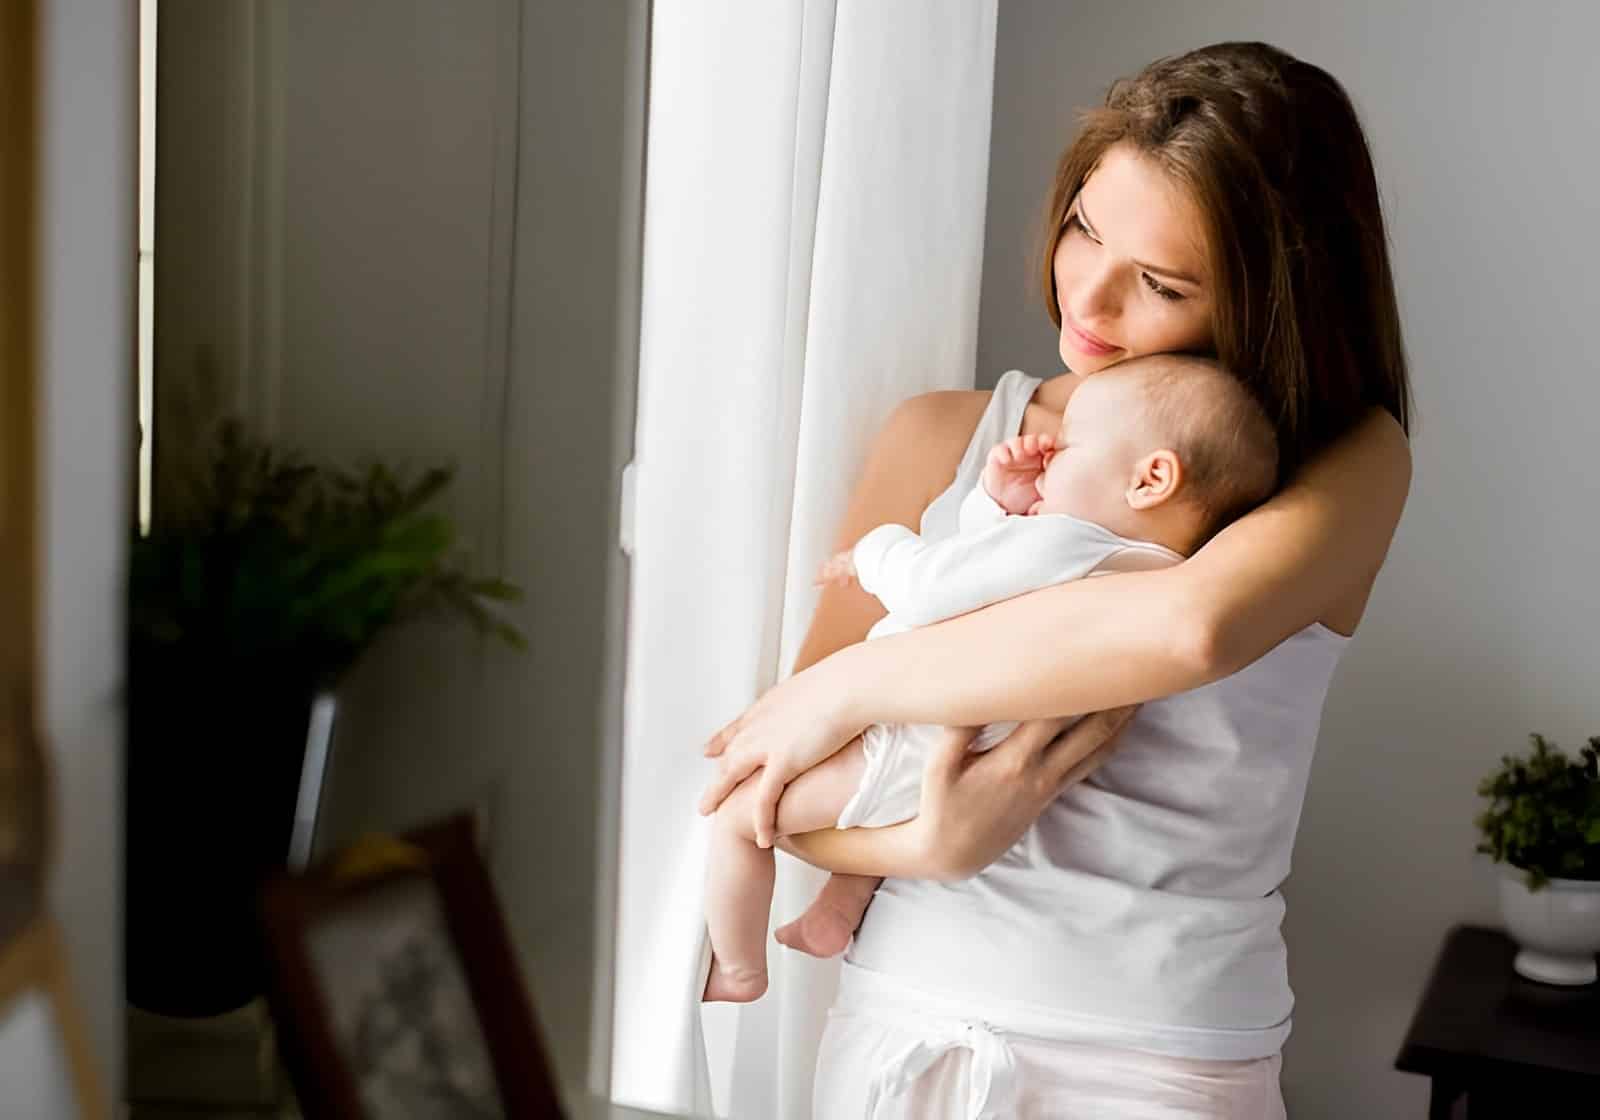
395, 990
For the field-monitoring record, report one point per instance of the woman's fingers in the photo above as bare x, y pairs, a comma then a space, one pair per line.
949, 754
734, 771
719, 742
769, 789
1083, 746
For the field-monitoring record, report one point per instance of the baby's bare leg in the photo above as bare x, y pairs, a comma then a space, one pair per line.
827, 925
825, 929
739, 875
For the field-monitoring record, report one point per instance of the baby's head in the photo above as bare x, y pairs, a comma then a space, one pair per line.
1168, 448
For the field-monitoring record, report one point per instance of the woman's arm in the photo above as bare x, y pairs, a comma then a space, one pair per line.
913, 456
920, 444
1124, 639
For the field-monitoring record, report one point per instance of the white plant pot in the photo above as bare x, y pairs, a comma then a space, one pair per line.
1556, 928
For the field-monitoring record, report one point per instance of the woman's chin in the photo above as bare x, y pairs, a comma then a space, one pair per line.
1068, 359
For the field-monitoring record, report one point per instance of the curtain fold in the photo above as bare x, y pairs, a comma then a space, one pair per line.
814, 210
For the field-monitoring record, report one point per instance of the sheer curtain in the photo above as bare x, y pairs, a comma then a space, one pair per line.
814, 207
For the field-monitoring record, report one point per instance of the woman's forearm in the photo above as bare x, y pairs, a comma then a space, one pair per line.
1123, 639
1071, 648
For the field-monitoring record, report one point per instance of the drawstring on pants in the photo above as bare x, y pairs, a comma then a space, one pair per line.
992, 1086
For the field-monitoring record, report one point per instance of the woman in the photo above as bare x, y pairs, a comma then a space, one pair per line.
1114, 950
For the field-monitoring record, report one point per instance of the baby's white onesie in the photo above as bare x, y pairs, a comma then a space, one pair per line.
994, 555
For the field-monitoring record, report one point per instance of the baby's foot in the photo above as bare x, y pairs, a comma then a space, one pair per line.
732, 984
822, 931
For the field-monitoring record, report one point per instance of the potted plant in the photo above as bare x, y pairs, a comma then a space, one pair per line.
1543, 821
258, 586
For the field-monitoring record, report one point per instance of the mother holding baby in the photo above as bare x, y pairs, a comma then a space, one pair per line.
1087, 922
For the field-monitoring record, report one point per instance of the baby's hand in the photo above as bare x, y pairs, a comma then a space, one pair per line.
840, 570
1013, 468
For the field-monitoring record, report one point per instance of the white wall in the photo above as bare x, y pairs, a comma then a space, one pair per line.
410, 230
1483, 624
87, 255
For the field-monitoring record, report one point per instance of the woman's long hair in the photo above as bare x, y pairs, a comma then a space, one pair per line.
1270, 150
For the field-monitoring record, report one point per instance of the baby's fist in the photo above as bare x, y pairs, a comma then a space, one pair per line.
1012, 468
839, 570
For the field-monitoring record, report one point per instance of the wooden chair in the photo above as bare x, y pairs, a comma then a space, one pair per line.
45, 1059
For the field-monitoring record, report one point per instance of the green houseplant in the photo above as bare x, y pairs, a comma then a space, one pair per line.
259, 585
266, 557
1544, 813
1543, 822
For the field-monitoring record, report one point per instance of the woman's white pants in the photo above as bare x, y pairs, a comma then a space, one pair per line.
891, 1059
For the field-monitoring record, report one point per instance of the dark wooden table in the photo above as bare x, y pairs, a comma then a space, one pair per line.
1497, 1045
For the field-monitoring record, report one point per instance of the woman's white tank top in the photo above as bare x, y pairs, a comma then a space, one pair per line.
1142, 908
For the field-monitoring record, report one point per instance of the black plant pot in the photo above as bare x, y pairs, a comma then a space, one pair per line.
214, 754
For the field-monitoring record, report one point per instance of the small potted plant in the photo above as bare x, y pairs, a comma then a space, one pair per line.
261, 582
1543, 822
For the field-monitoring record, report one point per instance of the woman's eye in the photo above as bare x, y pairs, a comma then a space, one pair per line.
1075, 223
1161, 289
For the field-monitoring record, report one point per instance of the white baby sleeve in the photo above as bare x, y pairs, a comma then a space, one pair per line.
922, 582
979, 511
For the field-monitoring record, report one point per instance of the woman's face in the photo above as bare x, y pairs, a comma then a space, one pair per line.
1130, 267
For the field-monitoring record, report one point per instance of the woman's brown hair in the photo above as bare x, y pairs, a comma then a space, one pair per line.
1272, 153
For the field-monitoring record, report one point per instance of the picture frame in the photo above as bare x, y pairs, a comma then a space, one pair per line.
394, 987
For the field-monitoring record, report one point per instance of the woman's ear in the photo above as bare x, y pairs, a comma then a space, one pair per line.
1156, 479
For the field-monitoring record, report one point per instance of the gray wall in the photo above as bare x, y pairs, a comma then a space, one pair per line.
1483, 624
411, 230
88, 255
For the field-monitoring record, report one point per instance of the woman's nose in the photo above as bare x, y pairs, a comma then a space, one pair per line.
1094, 300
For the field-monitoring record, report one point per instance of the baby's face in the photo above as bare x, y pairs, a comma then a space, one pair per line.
1090, 471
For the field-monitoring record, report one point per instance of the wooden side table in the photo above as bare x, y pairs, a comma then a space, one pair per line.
1497, 1045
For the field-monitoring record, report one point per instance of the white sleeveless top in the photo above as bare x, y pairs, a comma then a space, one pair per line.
1142, 908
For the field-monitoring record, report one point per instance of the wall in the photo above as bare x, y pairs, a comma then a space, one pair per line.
88, 261
408, 230
1482, 625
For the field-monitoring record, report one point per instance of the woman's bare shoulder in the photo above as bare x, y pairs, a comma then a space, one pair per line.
932, 430
942, 416
915, 455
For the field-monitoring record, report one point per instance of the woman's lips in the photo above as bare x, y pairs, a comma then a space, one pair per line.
1084, 341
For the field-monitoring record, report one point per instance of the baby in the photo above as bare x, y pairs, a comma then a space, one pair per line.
1154, 455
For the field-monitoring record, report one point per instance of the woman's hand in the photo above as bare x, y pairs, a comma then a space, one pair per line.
793, 726
975, 806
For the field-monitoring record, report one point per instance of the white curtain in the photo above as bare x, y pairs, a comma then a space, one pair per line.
814, 207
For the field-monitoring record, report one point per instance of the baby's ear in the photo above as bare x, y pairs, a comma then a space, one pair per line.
1157, 478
